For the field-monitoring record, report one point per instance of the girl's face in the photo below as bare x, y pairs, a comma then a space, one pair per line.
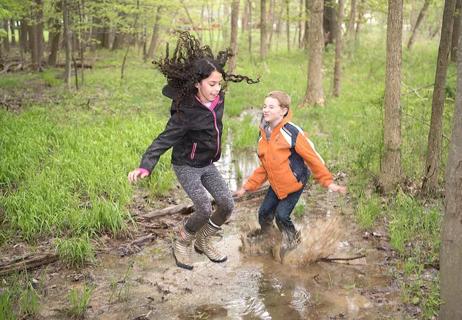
208, 88
272, 111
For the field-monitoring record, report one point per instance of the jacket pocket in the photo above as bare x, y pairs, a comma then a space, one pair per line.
193, 151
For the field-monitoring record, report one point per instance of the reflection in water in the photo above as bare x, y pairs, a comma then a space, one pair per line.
236, 166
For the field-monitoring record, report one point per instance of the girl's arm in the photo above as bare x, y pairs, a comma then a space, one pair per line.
173, 132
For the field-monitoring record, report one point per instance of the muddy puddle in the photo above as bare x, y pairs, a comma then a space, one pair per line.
251, 284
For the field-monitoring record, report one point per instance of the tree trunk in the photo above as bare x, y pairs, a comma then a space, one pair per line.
306, 34
456, 31
390, 171
245, 19
234, 30
430, 179
250, 27
351, 20
55, 35
67, 43
417, 23
288, 24
300, 23
24, 36
314, 91
359, 20
13, 32
338, 50
6, 40
36, 35
451, 231
270, 26
155, 34
329, 23
263, 31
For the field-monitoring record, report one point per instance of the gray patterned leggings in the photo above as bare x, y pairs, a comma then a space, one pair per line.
196, 182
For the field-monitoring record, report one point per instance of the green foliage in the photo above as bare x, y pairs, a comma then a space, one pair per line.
245, 133
28, 301
79, 300
49, 77
6, 305
75, 252
369, 209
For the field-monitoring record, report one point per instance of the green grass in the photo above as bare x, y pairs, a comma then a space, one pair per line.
64, 164
75, 252
79, 301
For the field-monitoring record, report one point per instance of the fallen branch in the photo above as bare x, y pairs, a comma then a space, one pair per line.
185, 209
28, 263
343, 258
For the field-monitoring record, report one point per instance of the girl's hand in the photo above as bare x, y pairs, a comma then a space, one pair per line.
336, 188
240, 192
136, 174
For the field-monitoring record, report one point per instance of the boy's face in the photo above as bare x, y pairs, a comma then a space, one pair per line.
210, 87
272, 111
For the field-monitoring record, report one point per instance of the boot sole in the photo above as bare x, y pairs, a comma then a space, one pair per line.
213, 260
181, 265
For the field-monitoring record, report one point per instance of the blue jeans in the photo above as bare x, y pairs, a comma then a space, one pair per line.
281, 209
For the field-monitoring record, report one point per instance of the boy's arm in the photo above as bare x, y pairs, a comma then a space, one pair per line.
173, 132
305, 148
257, 178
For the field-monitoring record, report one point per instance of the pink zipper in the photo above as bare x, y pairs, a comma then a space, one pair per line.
193, 151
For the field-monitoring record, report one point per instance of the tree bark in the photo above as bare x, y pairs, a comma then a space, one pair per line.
36, 35
67, 43
359, 20
263, 31
417, 23
451, 231
288, 24
456, 30
390, 171
430, 178
6, 40
306, 34
250, 27
338, 50
234, 31
155, 34
329, 23
351, 21
314, 91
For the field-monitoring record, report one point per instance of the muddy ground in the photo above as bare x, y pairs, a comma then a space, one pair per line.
252, 284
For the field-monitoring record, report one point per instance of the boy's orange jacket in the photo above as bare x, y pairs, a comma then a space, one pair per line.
283, 160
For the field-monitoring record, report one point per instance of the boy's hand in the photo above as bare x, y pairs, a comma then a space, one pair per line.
336, 188
240, 192
136, 174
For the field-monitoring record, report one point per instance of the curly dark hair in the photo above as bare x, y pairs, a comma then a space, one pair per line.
192, 62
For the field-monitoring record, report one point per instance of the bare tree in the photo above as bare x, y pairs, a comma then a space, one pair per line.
67, 43
338, 50
234, 31
390, 171
417, 23
351, 20
329, 23
263, 31
250, 27
155, 34
456, 30
314, 91
435, 135
451, 233
288, 24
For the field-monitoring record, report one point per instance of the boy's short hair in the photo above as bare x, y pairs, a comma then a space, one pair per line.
282, 97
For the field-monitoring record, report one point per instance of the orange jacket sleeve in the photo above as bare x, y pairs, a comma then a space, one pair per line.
305, 148
257, 178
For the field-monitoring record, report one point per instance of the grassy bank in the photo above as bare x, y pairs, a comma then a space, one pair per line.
64, 159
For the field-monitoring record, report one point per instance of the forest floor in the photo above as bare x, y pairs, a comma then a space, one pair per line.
136, 282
